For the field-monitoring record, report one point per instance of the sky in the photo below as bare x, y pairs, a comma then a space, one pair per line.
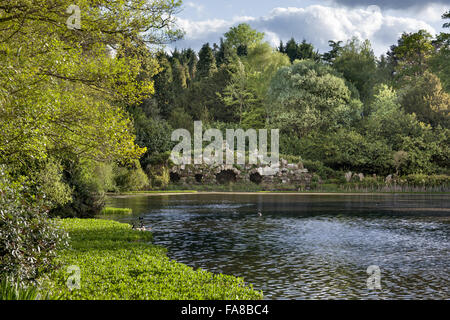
316, 21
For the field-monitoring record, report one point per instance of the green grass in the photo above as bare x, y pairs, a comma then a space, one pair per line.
117, 262
111, 210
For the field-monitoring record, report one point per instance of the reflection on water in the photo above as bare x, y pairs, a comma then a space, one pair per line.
305, 246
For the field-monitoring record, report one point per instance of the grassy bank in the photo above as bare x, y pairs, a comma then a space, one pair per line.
117, 262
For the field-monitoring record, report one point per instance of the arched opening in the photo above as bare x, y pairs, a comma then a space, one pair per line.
199, 177
174, 177
226, 176
256, 178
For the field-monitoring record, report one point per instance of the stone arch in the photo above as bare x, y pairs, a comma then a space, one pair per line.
226, 176
199, 177
255, 177
174, 177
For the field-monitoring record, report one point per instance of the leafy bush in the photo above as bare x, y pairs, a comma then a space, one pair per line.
29, 241
319, 168
422, 180
117, 262
159, 175
88, 191
131, 178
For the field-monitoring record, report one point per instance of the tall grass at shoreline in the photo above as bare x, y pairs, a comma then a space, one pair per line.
116, 211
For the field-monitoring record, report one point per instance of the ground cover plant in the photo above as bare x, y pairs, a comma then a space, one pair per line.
117, 262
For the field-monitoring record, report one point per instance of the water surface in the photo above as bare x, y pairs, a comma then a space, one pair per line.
308, 246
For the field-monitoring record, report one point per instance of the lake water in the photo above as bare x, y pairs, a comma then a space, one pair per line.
308, 246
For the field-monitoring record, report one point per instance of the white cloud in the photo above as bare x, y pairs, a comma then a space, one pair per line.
197, 7
316, 24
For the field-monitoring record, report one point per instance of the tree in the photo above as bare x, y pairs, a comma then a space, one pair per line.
180, 77
334, 52
62, 96
163, 85
426, 98
261, 64
291, 49
206, 65
65, 89
243, 36
412, 53
300, 51
309, 96
226, 54
440, 62
190, 60
237, 93
356, 61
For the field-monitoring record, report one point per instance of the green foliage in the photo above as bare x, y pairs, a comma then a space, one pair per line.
318, 167
237, 94
130, 178
116, 211
261, 64
347, 149
117, 262
412, 53
425, 97
243, 36
14, 290
88, 190
180, 119
206, 65
331, 55
29, 241
307, 97
422, 180
159, 175
356, 61
299, 51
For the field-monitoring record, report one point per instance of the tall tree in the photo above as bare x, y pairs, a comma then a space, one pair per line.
412, 53
206, 65
237, 93
243, 36
425, 97
356, 61
440, 63
307, 96
163, 86
334, 52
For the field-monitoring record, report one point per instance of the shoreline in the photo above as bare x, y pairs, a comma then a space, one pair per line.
289, 193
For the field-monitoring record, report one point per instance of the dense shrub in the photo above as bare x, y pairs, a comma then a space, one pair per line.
422, 180
130, 178
88, 191
319, 168
28, 239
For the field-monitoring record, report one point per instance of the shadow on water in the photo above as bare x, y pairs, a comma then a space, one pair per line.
305, 246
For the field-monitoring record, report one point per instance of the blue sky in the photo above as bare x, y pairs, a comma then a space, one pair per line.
317, 21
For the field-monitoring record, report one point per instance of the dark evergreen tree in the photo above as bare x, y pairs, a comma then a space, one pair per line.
206, 65
334, 52
163, 85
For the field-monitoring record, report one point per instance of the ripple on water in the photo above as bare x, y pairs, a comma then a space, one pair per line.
313, 248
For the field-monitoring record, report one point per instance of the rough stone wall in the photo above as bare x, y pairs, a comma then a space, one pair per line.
288, 173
